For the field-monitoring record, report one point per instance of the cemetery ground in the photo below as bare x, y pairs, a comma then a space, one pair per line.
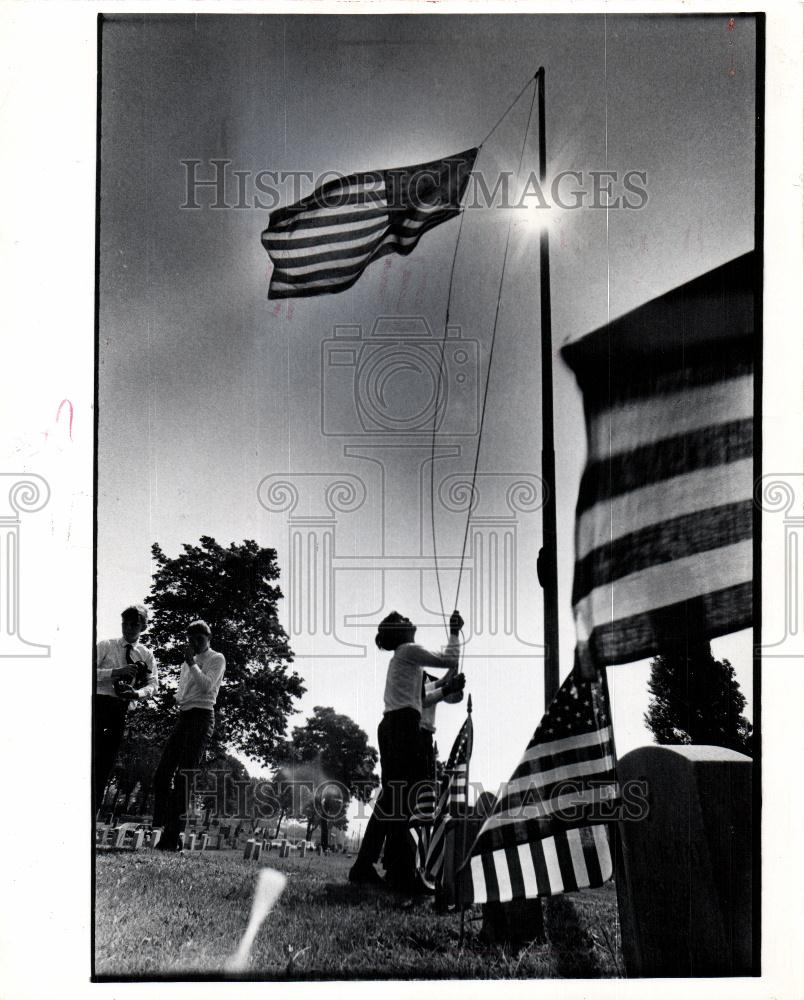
184, 914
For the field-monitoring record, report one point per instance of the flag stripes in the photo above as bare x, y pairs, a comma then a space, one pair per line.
664, 518
324, 242
565, 862
664, 459
542, 835
522, 822
425, 802
451, 800
707, 575
719, 402
636, 510
421, 843
629, 636
707, 346
674, 538
434, 860
457, 789
566, 771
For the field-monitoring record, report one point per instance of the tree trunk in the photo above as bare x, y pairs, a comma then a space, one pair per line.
324, 834
279, 824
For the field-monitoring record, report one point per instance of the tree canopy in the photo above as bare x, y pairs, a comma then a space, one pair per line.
339, 747
234, 590
697, 699
326, 762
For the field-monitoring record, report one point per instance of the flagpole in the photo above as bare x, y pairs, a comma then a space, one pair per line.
464, 826
548, 557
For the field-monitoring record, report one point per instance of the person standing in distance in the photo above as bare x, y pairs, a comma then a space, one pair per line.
199, 683
125, 671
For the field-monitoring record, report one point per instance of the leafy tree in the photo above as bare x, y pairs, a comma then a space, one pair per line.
233, 590
328, 747
222, 776
341, 749
696, 699
134, 770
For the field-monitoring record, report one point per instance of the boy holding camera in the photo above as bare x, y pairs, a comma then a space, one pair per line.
125, 671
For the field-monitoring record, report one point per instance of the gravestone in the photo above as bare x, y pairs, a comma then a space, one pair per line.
255, 854
685, 892
153, 838
191, 842
249, 849
204, 841
139, 836
121, 832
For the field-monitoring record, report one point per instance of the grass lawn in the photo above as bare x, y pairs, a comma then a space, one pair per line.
184, 914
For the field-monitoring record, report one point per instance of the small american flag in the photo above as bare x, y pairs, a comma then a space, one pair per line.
539, 838
452, 799
324, 242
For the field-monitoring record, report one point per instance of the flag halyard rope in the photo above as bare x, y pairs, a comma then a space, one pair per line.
532, 80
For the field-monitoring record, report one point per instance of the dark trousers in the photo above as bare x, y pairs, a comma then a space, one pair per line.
182, 752
398, 737
374, 838
427, 754
110, 724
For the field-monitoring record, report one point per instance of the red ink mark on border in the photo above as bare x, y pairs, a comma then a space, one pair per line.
58, 414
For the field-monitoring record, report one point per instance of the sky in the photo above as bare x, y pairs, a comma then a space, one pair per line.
207, 389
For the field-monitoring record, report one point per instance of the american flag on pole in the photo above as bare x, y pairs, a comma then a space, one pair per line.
421, 822
324, 242
452, 799
664, 513
540, 837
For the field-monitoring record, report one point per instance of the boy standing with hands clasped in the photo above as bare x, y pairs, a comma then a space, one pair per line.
199, 683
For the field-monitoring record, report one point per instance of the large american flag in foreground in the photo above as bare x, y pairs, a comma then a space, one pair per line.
451, 800
664, 513
324, 242
543, 836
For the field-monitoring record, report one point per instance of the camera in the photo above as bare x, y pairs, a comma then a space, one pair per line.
138, 681
388, 381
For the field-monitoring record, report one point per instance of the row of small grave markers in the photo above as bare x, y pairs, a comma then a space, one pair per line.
254, 847
134, 836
